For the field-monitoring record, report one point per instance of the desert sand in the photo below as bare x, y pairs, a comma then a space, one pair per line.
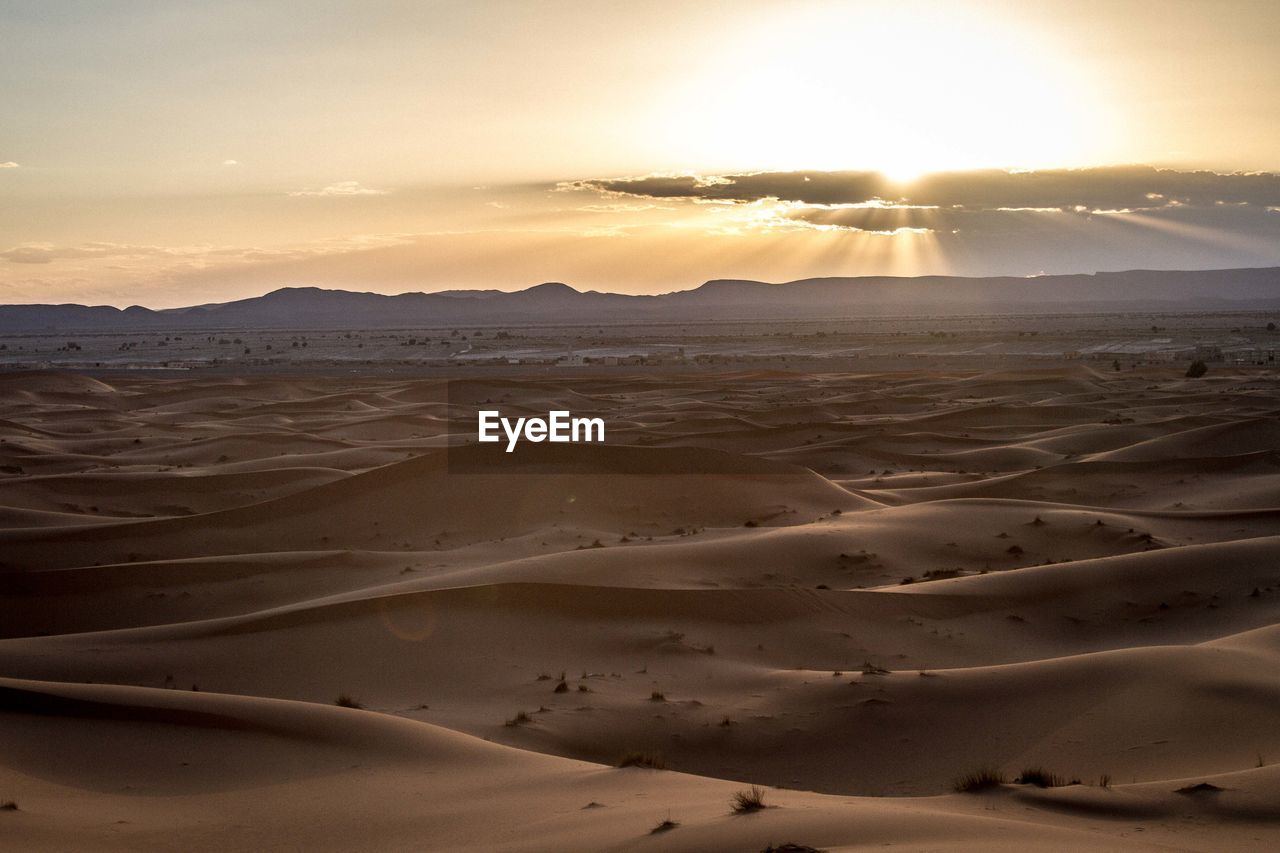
850, 589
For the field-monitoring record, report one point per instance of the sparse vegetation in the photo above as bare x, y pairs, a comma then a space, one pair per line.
665, 826
1197, 369
346, 701
1198, 788
642, 759
941, 574
657, 696
749, 801
519, 719
9, 806
1041, 778
982, 779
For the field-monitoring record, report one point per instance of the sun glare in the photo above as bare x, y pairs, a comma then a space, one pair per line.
904, 90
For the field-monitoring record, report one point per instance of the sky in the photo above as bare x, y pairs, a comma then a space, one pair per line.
174, 153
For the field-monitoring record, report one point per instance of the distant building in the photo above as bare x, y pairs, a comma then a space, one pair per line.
1244, 355
1165, 356
572, 359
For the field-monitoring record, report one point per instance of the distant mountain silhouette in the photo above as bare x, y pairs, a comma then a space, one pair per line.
557, 303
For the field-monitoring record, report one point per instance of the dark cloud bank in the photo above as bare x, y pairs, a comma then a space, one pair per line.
1110, 188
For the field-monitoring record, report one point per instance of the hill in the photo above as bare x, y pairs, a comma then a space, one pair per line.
554, 302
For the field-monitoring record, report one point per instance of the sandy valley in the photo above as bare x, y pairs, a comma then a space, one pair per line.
851, 589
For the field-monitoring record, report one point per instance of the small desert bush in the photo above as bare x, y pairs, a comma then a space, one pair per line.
748, 801
1198, 788
642, 759
519, 719
346, 701
657, 696
982, 779
8, 806
664, 826
1197, 369
1040, 777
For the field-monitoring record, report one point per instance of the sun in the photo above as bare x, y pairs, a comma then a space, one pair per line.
902, 171
903, 89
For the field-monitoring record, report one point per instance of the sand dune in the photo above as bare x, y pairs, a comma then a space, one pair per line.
280, 768
851, 589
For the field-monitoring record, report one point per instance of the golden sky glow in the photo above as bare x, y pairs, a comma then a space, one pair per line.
170, 153
902, 88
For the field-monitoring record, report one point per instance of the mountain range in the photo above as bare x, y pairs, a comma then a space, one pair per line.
717, 300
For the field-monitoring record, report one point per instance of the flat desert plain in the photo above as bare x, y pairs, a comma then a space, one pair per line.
301, 612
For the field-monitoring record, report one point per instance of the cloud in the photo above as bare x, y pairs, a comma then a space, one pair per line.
47, 253
620, 207
340, 189
198, 256
1106, 188
29, 255
876, 219
9, 164
231, 162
